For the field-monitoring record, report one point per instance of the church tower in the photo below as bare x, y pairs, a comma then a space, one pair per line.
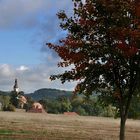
15, 88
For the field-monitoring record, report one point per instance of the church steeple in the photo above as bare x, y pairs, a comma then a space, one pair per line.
15, 88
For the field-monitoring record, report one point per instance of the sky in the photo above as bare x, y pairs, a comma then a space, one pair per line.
25, 27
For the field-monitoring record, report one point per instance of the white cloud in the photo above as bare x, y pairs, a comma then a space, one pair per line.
31, 13
22, 68
6, 70
30, 78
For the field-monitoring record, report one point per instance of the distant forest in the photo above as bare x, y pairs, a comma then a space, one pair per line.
59, 101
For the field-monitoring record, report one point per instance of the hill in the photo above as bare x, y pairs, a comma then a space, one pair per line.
49, 93
4, 93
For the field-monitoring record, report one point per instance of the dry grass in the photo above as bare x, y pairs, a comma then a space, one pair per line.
35, 126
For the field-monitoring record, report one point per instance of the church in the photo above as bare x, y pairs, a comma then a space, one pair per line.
21, 98
15, 87
36, 107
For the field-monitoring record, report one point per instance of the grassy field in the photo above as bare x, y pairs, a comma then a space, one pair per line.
36, 126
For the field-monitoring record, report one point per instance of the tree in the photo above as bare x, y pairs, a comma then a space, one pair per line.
134, 111
65, 104
5, 101
13, 98
102, 45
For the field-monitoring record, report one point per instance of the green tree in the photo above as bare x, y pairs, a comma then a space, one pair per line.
93, 107
65, 104
13, 98
5, 100
102, 45
53, 106
29, 104
76, 101
109, 111
134, 111
80, 110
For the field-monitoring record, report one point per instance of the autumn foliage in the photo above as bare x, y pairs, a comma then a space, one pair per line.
102, 45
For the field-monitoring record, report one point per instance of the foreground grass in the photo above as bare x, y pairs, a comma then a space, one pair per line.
35, 126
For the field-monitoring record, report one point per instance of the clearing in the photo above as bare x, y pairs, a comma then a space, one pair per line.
43, 126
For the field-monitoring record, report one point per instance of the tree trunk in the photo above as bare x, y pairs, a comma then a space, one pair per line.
122, 128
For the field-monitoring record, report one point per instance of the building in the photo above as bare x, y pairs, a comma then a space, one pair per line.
15, 87
19, 99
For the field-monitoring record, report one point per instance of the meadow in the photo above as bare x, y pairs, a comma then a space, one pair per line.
43, 126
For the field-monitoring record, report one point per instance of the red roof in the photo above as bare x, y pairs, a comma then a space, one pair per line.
70, 113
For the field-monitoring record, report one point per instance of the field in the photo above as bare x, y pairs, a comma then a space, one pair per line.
36, 126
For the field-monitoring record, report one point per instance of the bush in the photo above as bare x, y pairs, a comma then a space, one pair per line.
81, 111
109, 111
10, 107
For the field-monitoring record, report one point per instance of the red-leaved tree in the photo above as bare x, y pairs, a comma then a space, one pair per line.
102, 45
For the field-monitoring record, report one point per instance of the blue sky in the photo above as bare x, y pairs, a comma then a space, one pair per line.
25, 27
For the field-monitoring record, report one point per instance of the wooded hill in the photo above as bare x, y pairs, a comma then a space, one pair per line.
44, 93
4, 93
49, 93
